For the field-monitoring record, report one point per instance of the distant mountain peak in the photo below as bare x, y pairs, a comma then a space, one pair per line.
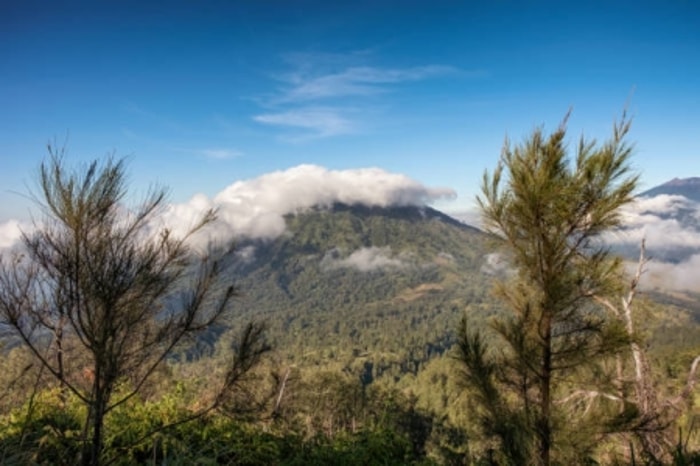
407, 213
692, 181
687, 187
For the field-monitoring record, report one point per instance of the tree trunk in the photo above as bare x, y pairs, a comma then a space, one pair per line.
92, 449
96, 444
544, 428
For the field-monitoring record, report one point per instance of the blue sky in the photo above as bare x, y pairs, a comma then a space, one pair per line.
201, 94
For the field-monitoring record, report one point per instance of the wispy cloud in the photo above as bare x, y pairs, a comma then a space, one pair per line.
315, 122
218, 153
214, 153
313, 96
354, 81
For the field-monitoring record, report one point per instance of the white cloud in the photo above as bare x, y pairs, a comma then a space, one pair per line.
496, 264
255, 208
668, 203
650, 218
364, 260
314, 93
684, 276
246, 254
356, 81
219, 153
668, 240
181, 218
10, 233
319, 122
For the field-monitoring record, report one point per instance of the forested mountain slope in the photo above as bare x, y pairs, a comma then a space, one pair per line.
354, 280
380, 288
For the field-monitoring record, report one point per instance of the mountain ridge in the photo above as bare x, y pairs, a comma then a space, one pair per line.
687, 187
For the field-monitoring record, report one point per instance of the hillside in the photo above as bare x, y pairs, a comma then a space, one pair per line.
377, 290
355, 280
386, 286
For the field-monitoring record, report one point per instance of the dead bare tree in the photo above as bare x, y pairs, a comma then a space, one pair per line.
656, 415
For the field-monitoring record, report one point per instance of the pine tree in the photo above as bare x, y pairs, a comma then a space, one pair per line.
549, 211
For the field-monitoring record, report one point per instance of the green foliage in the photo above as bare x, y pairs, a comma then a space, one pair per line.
549, 211
497, 416
682, 456
51, 435
44, 430
380, 447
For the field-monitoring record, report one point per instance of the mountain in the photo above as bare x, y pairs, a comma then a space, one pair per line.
376, 291
687, 187
354, 280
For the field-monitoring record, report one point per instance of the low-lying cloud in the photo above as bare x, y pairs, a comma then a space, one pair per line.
364, 259
495, 264
471, 217
670, 227
668, 223
255, 209
666, 276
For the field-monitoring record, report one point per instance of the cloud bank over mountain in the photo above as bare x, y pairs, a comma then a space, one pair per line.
255, 208
670, 225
